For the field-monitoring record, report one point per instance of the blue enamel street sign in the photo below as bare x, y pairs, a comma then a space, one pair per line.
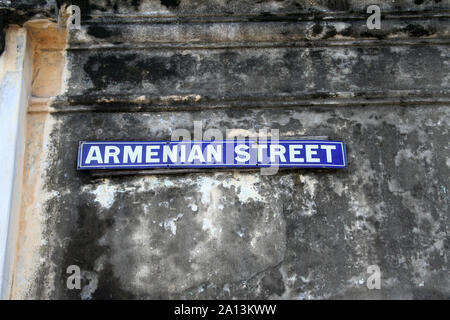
211, 154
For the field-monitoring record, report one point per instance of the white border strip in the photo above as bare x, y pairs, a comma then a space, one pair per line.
214, 165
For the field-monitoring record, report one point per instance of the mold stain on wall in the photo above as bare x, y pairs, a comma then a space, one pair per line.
295, 235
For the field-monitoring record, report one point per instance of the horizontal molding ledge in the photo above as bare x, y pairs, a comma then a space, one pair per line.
316, 16
195, 103
263, 44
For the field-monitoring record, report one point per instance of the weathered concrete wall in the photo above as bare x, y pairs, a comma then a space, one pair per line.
293, 235
19, 11
140, 70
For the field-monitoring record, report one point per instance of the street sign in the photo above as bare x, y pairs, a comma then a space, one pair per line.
211, 154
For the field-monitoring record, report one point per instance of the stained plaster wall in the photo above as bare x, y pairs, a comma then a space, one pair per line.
140, 70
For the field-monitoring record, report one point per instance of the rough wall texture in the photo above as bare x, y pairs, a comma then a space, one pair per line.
137, 70
19, 11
